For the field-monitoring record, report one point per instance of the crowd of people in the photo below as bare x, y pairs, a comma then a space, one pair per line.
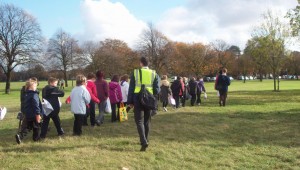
94, 90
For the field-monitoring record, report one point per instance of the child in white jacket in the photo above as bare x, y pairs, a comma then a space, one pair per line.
80, 97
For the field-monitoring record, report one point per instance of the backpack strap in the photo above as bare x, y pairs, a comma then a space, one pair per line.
140, 71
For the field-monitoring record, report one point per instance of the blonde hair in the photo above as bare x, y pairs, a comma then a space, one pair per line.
164, 77
80, 79
30, 82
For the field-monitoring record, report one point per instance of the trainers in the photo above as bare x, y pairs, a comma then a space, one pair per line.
144, 147
165, 109
18, 138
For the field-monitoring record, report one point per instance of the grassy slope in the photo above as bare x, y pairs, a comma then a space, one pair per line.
259, 129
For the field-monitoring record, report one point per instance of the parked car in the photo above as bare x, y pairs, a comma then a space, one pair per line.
206, 79
213, 79
173, 78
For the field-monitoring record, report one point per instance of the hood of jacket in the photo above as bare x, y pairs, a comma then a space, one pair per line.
165, 82
113, 85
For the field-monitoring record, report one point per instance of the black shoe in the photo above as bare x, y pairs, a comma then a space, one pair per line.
144, 147
18, 138
61, 134
98, 123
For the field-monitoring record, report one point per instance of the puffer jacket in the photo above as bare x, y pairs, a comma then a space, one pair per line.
115, 94
32, 105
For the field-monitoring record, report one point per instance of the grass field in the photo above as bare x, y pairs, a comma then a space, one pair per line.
258, 129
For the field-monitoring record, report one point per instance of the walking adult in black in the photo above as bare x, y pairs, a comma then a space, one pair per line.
222, 86
176, 88
141, 114
51, 94
193, 88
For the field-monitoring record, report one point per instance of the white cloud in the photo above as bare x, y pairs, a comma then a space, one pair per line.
104, 19
230, 20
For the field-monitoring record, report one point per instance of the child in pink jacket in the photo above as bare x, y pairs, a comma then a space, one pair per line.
115, 96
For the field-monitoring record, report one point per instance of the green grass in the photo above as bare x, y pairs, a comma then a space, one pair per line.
258, 129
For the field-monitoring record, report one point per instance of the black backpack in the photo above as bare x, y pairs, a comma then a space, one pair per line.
147, 100
219, 85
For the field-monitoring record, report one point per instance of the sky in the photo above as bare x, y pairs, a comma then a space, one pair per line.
189, 21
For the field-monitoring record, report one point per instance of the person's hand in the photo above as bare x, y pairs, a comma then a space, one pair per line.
38, 118
131, 105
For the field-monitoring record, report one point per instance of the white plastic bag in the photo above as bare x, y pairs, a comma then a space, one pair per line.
205, 96
2, 113
47, 107
172, 100
108, 106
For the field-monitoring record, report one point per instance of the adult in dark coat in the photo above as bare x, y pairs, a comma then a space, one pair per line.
222, 86
193, 88
176, 88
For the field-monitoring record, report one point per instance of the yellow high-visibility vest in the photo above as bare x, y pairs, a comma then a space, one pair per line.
148, 76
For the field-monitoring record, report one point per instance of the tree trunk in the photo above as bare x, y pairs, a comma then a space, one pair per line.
7, 85
66, 79
278, 83
260, 76
274, 79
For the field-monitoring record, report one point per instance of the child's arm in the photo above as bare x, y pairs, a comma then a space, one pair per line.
86, 96
58, 93
36, 104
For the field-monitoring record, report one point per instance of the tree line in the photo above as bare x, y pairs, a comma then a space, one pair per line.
24, 52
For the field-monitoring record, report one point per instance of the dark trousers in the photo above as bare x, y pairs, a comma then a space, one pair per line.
77, 127
176, 97
32, 124
115, 112
198, 98
87, 114
222, 98
56, 120
90, 112
165, 103
183, 98
193, 99
142, 120
23, 127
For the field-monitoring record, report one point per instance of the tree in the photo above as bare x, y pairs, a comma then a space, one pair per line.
223, 55
64, 53
294, 16
292, 63
154, 45
257, 52
20, 39
273, 33
192, 58
112, 56
89, 52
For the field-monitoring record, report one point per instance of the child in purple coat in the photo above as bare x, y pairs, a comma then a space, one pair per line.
115, 96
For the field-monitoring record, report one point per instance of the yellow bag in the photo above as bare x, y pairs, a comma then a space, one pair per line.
123, 113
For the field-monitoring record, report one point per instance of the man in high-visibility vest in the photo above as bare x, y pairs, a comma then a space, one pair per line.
142, 115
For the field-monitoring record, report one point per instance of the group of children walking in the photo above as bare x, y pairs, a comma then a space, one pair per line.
181, 90
91, 91
83, 98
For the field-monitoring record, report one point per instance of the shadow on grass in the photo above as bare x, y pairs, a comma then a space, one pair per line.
238, 98
218, 130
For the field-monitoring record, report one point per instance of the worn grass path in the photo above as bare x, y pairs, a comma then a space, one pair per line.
258, 129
